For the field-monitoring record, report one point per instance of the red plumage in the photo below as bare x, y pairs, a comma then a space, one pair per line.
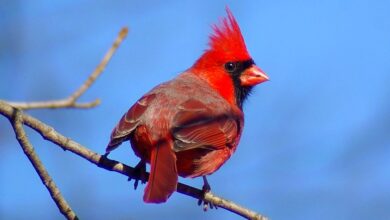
191, 125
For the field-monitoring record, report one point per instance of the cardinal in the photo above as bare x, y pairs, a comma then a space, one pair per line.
191, 125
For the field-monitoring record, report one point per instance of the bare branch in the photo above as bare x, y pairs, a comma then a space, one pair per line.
71, 101
53, 136
63, 206
102, 65
233, 207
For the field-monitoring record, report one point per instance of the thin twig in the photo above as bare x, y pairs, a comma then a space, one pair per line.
17, 123
53, 136
71, 101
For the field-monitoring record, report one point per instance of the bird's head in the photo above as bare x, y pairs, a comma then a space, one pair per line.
226, 65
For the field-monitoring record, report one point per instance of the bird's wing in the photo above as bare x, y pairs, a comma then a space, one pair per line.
129, 122
196, 125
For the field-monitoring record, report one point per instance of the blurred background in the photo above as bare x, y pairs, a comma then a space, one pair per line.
317, 139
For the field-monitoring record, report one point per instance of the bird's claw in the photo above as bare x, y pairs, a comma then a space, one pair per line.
205, 189
140, 172
135, 182
206, 205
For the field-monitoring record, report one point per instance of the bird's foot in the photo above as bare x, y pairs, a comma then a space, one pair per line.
139, 174
205, 189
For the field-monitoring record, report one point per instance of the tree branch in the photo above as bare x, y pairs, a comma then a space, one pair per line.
71, 101
53, 136
16, 121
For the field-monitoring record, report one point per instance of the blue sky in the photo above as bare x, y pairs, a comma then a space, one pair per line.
316, 142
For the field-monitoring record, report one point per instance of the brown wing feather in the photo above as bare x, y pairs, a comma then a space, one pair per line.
196, 126
129, 121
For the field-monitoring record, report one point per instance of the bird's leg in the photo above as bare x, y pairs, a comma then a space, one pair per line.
140, 172
206, 188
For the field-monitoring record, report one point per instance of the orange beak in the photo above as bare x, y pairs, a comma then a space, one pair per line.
253, 76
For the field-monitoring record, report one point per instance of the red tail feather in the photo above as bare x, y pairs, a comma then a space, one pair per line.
163, 174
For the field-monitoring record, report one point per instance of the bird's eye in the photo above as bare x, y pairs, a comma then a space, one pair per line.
230, 67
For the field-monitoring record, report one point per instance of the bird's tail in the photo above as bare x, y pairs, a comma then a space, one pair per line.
163, 173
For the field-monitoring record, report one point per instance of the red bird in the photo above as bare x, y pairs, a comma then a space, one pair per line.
191, 125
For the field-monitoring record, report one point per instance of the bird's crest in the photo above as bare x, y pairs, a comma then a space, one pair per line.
227, 41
